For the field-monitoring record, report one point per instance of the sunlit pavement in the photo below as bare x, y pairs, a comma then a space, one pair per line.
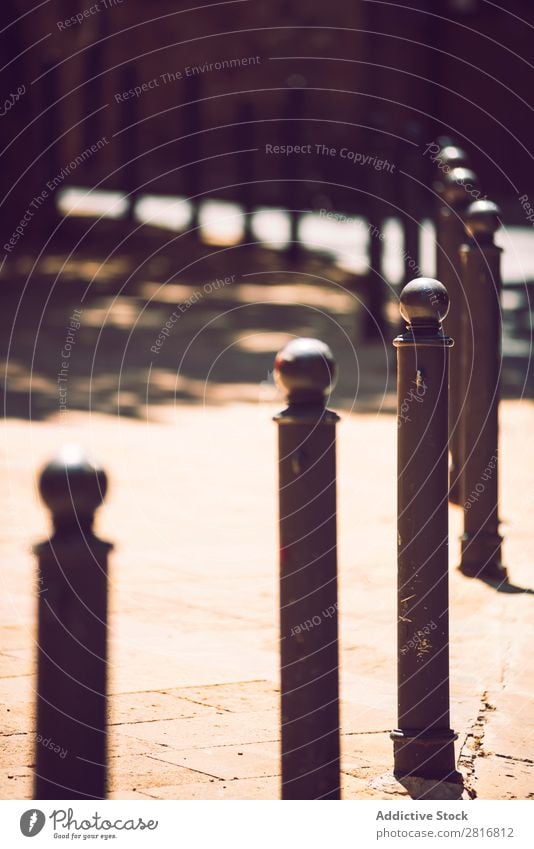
193, 621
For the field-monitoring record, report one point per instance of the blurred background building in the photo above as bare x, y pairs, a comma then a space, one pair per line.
376, 77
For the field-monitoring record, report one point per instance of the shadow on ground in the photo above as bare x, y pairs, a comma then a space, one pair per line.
420, 788
164, 323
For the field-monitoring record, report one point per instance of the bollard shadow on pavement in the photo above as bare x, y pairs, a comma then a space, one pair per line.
505, 586
124, 359
420, 788
424, 788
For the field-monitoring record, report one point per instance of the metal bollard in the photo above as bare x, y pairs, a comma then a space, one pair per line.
453, 189
47, 138
423, 743
245, 138
413, 205
375, 184
480, 257
70, 744
129, 138
451, 156
293, 187
305, 370
374, 315
192, 150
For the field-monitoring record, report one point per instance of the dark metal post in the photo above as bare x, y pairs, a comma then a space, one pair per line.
374, 317
129, 139
451, 156
424, 741
374, 323
294, 191
455, 188
480, 257
412, 205
72, 635
305, 370
93, 91
49, 141
50, 122
192, 150
245, 136
411, 232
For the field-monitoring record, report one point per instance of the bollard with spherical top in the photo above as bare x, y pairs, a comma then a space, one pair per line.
452, 156
305, 371
481, 221
245, 139
72, 489
423, 742
481, 339
456, 186
70, 745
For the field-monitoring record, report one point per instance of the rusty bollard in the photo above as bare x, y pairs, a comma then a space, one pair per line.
455, 188
481, 334
70, 746
305, 371
423, 743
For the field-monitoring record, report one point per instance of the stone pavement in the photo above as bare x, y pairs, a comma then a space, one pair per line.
193, 620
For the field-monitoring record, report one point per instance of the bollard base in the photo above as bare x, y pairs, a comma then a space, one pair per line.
424, 755
494, 571
481, 557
